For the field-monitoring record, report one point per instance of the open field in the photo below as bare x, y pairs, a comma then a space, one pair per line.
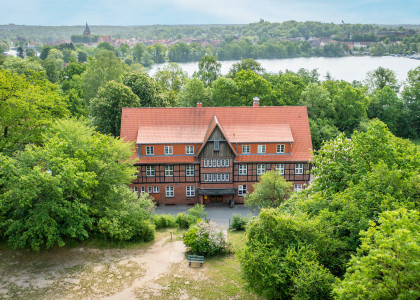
156, 270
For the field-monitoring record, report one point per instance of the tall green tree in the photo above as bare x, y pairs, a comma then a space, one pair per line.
380, 78
194, 92
245, 64
224, 92
411, 103
171, 77
106, 107
144, 87
208, 69
251, 85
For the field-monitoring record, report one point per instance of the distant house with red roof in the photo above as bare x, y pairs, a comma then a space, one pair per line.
212, 154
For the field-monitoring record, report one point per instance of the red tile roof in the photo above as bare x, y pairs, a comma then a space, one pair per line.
241, 125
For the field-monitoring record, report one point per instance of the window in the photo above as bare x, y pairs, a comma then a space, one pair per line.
206, 177
219, 163
206, 163
246, 149
169, 150
190, 191
169, 170
155, 190
189, 150
214, 163
280, 168
150, 171
242, 190
219, 177
261, 148
136, 190
143, 189
189, 170
169, 191
298, 187
243, 169
150, 150
261, 169
149, 189
280, 148
216, 146
298, 168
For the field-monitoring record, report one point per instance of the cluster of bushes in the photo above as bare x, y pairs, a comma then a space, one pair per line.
182, 220
206, 238
239, 222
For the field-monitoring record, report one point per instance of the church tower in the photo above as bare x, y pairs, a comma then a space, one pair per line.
87, 30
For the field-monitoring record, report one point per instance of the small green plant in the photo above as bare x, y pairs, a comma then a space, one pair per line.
164, 221
239, 222
193, 216
197, 211
206, 239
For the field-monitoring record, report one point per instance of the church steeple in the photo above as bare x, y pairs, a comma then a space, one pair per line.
87, 30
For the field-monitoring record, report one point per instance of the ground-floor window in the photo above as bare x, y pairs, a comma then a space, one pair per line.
155, 190
136, 190
149, 189
298, 187
190, 191
242, 190
143, 189
280, 168
298, 168
169, 191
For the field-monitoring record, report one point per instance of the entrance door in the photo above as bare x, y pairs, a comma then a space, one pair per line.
216, 199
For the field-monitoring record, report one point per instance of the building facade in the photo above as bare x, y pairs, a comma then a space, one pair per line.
215, 154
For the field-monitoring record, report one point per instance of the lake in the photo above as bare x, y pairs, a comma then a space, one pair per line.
343, 68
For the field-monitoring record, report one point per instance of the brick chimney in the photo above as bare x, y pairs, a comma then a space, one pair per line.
199, 104
256, 102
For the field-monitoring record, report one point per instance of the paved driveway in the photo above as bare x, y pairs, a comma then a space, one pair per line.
219, 213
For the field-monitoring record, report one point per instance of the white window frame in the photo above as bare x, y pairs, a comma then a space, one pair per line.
169, 192
136, 190
261, 169
189, 170
142, 190
206, 163
150, 150
149, 190
243, 170
261, 149
169, 171
280, 168
169, 150
214, 163
219, 163
205, 177
190, 191
281, 148
297, 187
150, 171
242, 190
155, 190
218, 176
298, 169
246, 149
189, 150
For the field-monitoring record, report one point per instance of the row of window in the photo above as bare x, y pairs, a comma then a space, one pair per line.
246, 149
216, 177
190, 190
262, 168
216, 163
169, 150
169, 170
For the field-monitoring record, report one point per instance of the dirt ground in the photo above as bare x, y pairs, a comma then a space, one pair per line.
156, 270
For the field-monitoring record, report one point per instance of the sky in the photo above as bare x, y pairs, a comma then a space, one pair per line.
171, 12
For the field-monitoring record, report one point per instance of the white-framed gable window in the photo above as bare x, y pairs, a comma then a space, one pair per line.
216, 146
241, 190
169, 150
246, 149
169, 170
189, 150
169, 191
298, 168
280, 168
297, 187
261, 169
150, 171
189, 170
261, 149
280, 148
190, 191
150, 150
155, 190
243, 169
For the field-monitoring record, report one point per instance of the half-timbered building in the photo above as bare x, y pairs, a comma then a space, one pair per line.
215, 154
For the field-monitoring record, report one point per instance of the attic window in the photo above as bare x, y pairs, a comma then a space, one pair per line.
216, 146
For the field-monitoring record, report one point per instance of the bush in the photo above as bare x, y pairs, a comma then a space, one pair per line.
164, 221
193, 216
239, 222
197, 212
206, 239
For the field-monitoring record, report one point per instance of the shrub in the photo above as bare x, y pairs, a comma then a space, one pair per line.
164, 221
197, 211
239, 222
206, 239
193, 216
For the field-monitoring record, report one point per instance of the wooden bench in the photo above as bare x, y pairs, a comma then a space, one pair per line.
195, 259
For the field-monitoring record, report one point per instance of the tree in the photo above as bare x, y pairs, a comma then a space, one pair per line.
386, 266
271, 190
245, 64
27, 109
251, 85
30, 68
171, 77
158, 53
411, 102
224, 92
45, 51
106, 107
102, 68
380, 78
194, 92
138, 51
144, 87
317, 100
208, 69
147, 59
